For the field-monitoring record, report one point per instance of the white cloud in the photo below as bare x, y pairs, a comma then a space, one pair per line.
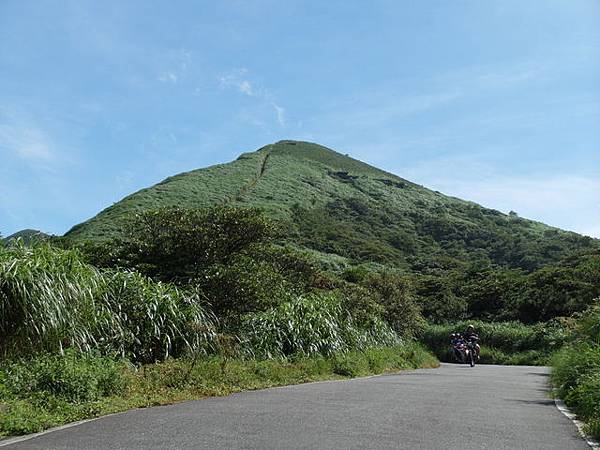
168, 77
178, 64
245, 87
237, 81
27, 143
566, 201
280, 114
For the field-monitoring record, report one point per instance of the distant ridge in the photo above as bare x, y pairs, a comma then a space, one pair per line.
27, 236
336, 205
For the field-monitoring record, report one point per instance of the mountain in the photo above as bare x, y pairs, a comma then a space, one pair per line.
338, 206
27, 235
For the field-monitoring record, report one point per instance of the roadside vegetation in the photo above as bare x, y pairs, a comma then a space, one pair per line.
50, 390
576, 370
190, 303
511, 343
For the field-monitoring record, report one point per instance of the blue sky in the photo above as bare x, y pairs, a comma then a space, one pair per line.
496, 101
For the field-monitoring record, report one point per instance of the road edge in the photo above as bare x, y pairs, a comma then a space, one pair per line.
560, 405
26, 437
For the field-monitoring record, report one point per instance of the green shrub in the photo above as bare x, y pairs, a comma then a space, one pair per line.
154, 320
350, 365
316, 323
72, 377
572, 364
175, 244
585, 395
394, 293
244, 285
50, 301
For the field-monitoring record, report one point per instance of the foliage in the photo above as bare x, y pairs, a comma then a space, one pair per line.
576, 370
502, 343
335, 204
244, 285
498, 294
309, 325
47, 300
394, 293
73, 377
438, 300
51, 300
155, 320
175, 244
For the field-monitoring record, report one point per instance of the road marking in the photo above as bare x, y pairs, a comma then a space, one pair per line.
578, 423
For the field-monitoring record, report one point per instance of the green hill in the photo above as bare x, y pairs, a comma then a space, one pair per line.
27, 236
336, 205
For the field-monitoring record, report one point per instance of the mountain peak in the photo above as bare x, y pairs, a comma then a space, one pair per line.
335, 204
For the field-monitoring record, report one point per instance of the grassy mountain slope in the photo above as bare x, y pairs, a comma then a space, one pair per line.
27, 235
334, 204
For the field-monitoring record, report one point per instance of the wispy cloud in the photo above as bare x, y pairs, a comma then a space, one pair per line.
177, 67
168, 77
280, 111
563, 200
239, 81
27, 143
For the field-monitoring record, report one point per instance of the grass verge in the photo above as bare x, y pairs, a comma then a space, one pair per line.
49, 391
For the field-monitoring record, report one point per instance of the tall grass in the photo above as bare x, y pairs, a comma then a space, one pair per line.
50, 300
576, 370
502, 343
312, 324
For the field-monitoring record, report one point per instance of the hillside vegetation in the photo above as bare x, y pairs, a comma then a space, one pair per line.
336, 205
458, 259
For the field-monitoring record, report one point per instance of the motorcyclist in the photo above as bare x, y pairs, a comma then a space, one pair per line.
470, 336
457, 341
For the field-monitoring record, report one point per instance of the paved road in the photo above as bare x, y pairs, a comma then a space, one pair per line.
454, 407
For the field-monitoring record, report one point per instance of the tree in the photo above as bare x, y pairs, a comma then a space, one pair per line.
175, 244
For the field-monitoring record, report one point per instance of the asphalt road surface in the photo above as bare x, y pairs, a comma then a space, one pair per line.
453, 407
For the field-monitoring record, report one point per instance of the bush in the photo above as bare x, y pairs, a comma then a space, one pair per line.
351, 365
47, 300
313, 324
72, 377
50, 301
244, 285
175, 244
395, 294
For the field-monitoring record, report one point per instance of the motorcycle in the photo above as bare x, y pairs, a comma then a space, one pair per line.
459, 351
471, 352
465, 352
